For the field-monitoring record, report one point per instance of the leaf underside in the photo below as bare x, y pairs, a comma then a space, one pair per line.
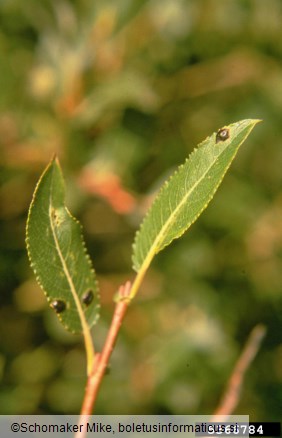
187, 193
57, 253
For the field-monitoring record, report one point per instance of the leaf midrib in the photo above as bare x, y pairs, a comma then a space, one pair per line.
172, 219
65, 268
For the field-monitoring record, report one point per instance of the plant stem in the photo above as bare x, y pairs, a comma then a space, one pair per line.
89, 348
139, 277
231, 396
95, 378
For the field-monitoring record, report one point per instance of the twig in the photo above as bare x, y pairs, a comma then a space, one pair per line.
231, 396
101, 363
101, 360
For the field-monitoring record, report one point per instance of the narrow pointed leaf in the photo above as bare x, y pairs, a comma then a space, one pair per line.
58, 256
187, 193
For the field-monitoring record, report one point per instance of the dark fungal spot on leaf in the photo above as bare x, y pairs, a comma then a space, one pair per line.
222, 135
58, 305
87, 297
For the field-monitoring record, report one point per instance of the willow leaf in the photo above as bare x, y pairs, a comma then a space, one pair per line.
187, 193
58, 256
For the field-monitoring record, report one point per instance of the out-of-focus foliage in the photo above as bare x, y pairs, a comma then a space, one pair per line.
123, 91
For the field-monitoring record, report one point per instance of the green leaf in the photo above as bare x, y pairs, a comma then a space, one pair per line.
187, 193
58, 256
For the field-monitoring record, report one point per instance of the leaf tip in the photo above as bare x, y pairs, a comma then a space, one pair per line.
251, 121
256, 121
55, 160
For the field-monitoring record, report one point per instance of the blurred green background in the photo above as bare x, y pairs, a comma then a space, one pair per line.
123, 91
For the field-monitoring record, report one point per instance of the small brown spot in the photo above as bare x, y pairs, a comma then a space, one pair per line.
87, 297
58, 305
222, 135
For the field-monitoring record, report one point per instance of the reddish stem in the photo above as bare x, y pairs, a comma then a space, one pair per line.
231, 396
102, 360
